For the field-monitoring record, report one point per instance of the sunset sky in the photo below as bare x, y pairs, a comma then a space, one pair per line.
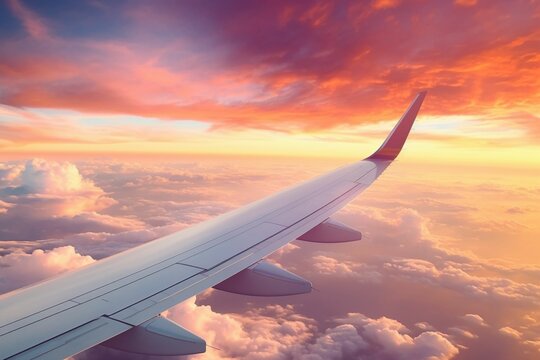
121, 122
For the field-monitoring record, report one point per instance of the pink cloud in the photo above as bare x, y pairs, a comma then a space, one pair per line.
395, 234
20, 269
46, 198
266, 333
277, 332
384, 4
465, 2
58, 188
33, 24
393, 341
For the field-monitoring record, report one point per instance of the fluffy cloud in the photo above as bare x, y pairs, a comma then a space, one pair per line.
40, 176
56, 188
266, 333
340, 342
20, 269
45, 198
388, 338
277, 332
271, 333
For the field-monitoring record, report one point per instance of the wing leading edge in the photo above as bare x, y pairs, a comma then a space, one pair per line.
77, 310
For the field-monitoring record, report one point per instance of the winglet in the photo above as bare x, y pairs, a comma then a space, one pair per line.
393, 144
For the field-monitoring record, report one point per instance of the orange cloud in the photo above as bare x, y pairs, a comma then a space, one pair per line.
466, 2
383, 4
324, 66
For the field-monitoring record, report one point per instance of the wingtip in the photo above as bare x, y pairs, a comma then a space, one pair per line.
393, 144
422, 94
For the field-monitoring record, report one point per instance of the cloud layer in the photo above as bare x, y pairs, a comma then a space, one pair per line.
367, 302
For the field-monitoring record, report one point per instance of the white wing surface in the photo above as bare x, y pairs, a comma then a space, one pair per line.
117, 300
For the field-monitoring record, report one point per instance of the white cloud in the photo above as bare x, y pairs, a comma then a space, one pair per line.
57, 188
44, 199
390, 339
267, 333
41, 176
20, 269
277, 332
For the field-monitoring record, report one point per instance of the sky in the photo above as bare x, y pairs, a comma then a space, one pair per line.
121, 122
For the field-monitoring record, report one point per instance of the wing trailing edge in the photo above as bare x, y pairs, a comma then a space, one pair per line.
393, 144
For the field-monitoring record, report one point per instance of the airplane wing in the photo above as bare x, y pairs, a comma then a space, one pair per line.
117, 301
